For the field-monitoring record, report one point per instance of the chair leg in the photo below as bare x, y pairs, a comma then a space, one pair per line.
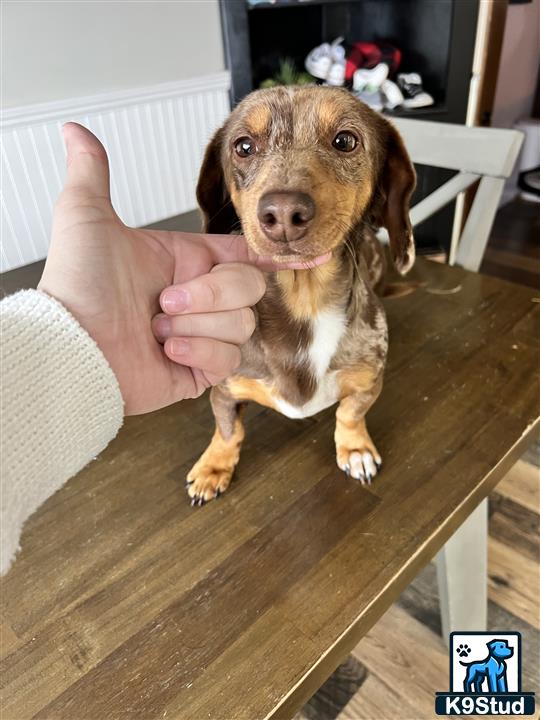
462, 575
479, 223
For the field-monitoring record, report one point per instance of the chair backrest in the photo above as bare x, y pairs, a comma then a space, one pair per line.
485, 154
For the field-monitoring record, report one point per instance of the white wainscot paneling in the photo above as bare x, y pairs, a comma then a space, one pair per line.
155, 138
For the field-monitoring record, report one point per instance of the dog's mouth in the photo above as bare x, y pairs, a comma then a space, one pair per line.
297, 261
284, 254
305, 253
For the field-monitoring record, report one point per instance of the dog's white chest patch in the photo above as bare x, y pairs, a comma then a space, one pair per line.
328, 329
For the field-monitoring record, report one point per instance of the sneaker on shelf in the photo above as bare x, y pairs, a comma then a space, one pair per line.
392, 95
373, 98
529, 184
318, 62
414, 94
368, 55
336, 75
321, 59
337, 50
370, 80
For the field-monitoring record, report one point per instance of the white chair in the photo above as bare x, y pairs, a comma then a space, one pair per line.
487, 155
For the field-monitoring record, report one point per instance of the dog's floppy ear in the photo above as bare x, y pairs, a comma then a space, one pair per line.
212, 194
396, 185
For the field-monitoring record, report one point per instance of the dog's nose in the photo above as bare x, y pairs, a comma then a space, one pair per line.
285, 216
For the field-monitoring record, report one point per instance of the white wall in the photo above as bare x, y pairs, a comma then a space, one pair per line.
518, 72
59, 50
520, 56
146, 77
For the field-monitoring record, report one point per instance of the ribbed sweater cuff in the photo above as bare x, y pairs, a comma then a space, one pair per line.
60, 407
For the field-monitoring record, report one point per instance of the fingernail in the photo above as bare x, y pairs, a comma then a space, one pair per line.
162, 326
175, 300
178, 346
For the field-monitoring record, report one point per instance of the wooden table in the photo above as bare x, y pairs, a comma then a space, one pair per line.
127, 602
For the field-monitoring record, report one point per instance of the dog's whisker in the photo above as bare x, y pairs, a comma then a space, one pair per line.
353, 256
222, 207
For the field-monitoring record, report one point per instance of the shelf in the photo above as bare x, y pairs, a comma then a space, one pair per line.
293, 3
437, 39
437, 109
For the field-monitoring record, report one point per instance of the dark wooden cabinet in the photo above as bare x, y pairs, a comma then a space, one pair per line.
436, 38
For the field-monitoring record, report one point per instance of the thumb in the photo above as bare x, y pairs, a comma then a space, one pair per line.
87, 163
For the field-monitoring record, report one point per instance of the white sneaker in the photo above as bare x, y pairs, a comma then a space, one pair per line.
336, 75
371, 80
320, 60
392, 95
414, 94
373, 98
337, 50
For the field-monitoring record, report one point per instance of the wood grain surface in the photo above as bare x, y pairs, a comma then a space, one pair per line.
403, 659
127, 602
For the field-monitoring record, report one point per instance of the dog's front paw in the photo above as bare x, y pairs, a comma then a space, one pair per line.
361, 464
207, 481
212, 473
355, 452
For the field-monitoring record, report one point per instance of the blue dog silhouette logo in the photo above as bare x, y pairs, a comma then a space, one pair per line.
491, 670
485, 676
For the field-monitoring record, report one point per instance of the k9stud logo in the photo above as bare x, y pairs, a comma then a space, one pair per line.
485, 676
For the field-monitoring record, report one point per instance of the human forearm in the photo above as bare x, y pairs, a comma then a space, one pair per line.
61, 405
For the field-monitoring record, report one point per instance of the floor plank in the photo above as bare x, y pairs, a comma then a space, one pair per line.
378, 701
336, 692
8, 639
408, 657
512, 524
513, 251
522, 485
513, 582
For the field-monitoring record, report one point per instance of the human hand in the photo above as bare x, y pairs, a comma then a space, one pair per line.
110, 277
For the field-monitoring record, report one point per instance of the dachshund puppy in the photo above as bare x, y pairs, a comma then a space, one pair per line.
302, 171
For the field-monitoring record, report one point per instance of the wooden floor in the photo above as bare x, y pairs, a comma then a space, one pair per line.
397, 667
513, 251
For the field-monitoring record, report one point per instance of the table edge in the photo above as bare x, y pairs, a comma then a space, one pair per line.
313, 678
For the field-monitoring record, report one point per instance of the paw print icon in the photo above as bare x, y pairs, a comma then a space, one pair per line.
463, 650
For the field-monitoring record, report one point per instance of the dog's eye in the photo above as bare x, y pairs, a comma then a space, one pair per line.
345, 142
245, 146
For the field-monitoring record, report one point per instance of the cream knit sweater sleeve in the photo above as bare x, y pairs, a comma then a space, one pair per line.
60, 406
